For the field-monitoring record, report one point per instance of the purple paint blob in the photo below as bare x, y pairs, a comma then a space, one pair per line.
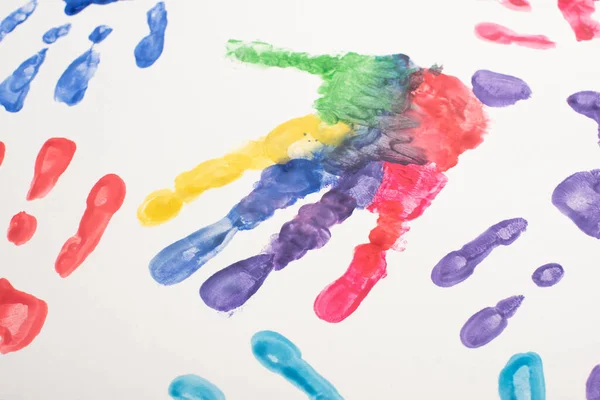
578, 198
499, 90
592, 386
231, 287
487, 324
586, 103
459, 265
548, 275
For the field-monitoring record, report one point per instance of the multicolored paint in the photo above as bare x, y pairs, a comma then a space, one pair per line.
384, 133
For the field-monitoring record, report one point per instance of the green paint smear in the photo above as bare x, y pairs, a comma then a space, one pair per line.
356, 89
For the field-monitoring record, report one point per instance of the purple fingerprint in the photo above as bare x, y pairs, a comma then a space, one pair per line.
592, 386
586, 103
458, 265
499, 90
487, 324
577, 197
548, 275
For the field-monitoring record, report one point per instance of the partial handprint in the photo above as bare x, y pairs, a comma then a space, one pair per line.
384, 133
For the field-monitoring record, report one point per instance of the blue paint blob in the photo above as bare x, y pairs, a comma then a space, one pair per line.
522, 378
14, 89
16, 18
73, 7
56, 33
193, 387
151, 47
72, 85
280, 186
279, 355
100, 33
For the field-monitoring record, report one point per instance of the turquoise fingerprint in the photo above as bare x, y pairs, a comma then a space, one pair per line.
192, 387
522, 378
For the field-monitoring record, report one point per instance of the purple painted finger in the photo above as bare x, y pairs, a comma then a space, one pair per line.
578, 198
586, 103
592, 386
499, 90
548, 275
458, 265
487, 324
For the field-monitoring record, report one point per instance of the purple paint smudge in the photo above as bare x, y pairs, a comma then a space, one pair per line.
548, 275
457, 266
577, 197
499, 90
487, 324
592, 385
586, 103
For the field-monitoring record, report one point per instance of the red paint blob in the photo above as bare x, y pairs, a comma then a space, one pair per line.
451, 120
518, 5
502, 35
578, 14
52, 161
22, 317
21, 229
104, 200
2, 152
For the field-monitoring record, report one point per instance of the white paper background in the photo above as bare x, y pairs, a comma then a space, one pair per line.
113, 333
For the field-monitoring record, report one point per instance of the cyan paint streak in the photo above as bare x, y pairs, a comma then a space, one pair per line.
16, 18
280, 186
73, 84
73, 7
281, 356
56, 33
100, 33
151, 47
193, 387
14, 89
522, 378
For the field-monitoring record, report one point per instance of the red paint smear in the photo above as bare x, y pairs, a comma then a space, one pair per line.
451, 120
518, 5
2, 152
21, 229
104, 200
52, 161
578, 14
22, 317
502, 35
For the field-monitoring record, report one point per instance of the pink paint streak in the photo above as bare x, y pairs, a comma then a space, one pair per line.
578, 14
518, 5
21, 229
22, 317
104, 200
2, 152
52, 161
502, 35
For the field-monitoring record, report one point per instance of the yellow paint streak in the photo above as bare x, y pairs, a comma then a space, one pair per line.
275, 148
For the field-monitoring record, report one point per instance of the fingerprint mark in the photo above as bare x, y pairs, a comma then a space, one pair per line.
52, 161
21, 229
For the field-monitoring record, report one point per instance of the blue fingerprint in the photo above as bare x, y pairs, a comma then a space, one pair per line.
14, 89
151, 47
56, 33
279, 355
73, 7
193, 387
100, 33
73, 83
16, 18
280, 186
522, 378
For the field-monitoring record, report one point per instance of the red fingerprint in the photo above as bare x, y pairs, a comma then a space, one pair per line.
578, 14
2, 152
21, 228
519, 5
502, 35
22, 317
52, 161
104, 200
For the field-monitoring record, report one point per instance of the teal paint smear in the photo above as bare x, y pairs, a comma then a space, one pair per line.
279, 355
193, 387
522, 378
